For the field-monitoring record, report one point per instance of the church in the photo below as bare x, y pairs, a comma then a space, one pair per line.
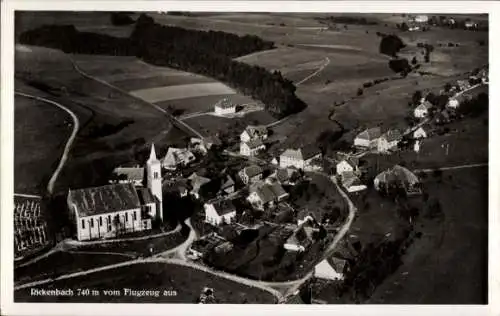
111, 210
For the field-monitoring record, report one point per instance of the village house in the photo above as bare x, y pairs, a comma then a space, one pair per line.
368, 138
254, 132
224, 106
302, 238
419, 133
470, 24
422, 110
219, 212
197, 145
110, 210
250, 174
351, 182
397, 177
196, 182
252, 147
347, 164
305, 158
134, 175
421, 19
177, 157
264, 195
227, 186
286, 176
389, 141
463, 85
199, 248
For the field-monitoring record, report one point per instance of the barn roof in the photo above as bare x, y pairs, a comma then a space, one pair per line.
370, 134
105, 199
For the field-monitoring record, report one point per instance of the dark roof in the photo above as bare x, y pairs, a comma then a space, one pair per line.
224, 207
265, 193
105, 199
252, 171
310, 151
254, 143
228, 183
277, 189
256, 131
145, 196
370, 134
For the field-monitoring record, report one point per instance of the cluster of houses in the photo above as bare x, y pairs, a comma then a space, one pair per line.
30, 229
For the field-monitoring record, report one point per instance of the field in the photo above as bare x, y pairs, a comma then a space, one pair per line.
38, 143
448, 265
60, 263
188, 284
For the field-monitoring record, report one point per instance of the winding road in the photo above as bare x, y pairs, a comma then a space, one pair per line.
67, 147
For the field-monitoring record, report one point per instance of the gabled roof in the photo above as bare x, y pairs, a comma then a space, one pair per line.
349, 179
277, 190
225, 104
197, 181
265, 194
425, 105
256, 130
398, 174
392, 135
104, 199
228, 183
252, 170
254, 143
304, 153
176, 156
224, 207
145, 196
370, 134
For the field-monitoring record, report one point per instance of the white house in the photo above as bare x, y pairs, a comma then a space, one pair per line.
134, 175
250, 174
219, 212
305, 158
348, 164
254, 132
422, 110
301, 239
419, 133
114, 209
453, 104
470, 24
368, 138
252, 147
389, 141
421, 19
224, 106
177, 157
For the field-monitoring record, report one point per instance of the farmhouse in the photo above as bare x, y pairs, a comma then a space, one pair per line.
348, 164
286, 176
419, 133
252, 147
368, 138
250, 174
196, 183
389, 141
30, 228
177, 157
422, 110
264, 194
452, 103
134, 175
397, 177
220, 212
224, 106
351, 182
304, 158
302, 238
205, 244
254, 132
110, 210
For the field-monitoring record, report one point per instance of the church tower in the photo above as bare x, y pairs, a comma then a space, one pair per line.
153, 171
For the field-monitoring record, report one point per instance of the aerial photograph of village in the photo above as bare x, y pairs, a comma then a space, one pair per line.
250, 157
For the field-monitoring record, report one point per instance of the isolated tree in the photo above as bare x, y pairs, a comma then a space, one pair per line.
359, 92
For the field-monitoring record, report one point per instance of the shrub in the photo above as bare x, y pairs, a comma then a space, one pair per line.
390, 45
360, 92
400, 65
414, 60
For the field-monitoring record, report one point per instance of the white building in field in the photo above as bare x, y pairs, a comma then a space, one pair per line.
219, 212
305, 158
331, 269
349, 164
111, 210
252, 147
422, 110
453, 104
224, 106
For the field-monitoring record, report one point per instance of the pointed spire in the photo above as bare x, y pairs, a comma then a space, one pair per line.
152, 155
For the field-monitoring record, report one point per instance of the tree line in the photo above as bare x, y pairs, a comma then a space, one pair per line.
209, 53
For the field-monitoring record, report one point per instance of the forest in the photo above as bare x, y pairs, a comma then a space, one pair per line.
207, 53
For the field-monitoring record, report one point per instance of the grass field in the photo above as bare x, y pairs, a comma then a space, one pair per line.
38, 143
449, 264
60, 263
188, 284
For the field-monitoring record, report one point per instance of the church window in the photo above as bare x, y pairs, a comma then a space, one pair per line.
100, 220
156, 175
126, 217
92, 223
135, 215
83, 223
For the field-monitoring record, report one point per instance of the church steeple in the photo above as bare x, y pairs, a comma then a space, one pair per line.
152, 155
154, 181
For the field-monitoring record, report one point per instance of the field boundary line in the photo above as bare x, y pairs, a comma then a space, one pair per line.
69, 142
326, 63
